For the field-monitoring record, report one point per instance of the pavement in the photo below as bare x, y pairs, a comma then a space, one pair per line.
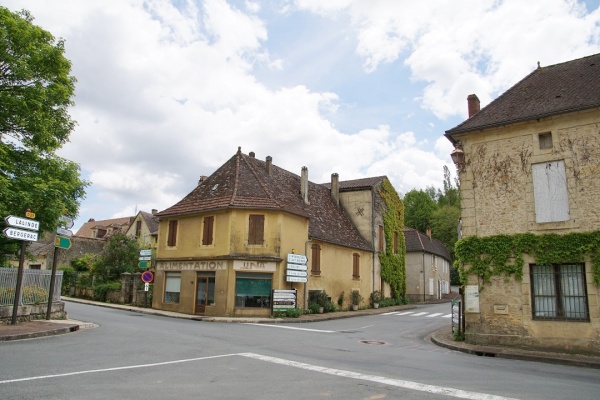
442, 337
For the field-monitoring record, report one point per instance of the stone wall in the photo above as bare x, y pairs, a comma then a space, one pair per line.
33, 312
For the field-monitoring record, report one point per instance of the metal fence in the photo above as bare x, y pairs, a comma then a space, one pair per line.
35, 287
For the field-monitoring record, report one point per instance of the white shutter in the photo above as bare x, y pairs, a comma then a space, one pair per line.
550, 192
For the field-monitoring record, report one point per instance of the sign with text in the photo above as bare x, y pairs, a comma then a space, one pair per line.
297, 267
297, 258
267, 266
20, 234
284, 299
24, 223
295, 279
291, 272
62, 242
146, 252
472, 298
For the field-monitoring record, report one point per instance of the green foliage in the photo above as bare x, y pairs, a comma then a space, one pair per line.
292, 313
313, 307
503, 254
355, 297
35, 93
444, 224
341, 299
32, 294
322, 298
120, 254
418, 208
85, 263
101, 289
376, 296
393, 268
69, 279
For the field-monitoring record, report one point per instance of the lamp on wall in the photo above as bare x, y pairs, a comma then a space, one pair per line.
458, 156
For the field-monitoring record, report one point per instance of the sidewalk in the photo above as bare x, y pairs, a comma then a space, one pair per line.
442, 337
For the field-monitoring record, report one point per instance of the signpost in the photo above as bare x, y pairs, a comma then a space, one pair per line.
62, 242
284, 299
144, 264
25, 223
64, 232
145, 258
20, 234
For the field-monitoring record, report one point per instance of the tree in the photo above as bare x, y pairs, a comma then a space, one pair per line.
120, 254
36, 89
418, 208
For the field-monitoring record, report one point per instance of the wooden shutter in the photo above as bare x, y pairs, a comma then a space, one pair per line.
355, 265
256, 229
172, 236
315, 268
207, 232
381, 238
138, 229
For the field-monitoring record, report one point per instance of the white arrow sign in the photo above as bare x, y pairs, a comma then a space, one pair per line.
295, 279
25, 223
20, 234
297, 267
145, 258
147, 252
297, 258
64, 232
296, 273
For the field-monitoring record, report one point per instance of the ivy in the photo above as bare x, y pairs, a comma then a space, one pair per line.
393, 266
504, 254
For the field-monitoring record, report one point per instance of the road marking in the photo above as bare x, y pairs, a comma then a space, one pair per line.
405, 313
447, 316
419, 314
434, 315
291, 327
91, 371
463, 394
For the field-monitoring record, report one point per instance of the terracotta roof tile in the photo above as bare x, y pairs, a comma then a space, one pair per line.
419, 242
244, 182
555, 89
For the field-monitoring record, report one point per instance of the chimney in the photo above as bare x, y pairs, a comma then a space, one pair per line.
251, 154
202, 179
473, 104
335, 188
154, 211
304, 185
269, 164
429, 233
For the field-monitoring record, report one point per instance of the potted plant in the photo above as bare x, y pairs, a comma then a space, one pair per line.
356, 298
322, 300
376, 298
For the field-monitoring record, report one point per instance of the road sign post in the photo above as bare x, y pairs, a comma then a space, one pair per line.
62, 242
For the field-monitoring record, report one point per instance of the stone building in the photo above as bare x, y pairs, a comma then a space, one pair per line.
529, 166
224, 247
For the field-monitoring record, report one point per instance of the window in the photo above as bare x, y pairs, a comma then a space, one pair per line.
256, 229
315, 262
545, 140
253, 290
207, 231
35, 266
172, 235
550, 192
355, 266
138, 229
381, 237
559, 292
172, 287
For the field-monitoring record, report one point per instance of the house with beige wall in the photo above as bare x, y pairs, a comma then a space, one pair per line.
225, 246
529, 165
144, 229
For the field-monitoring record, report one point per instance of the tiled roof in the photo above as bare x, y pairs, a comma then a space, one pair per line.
86, 229
358, 184
417, 241
151, 222
244, 182
555, 89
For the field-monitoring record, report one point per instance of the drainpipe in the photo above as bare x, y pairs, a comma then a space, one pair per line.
423, 277
305, 302
373, 236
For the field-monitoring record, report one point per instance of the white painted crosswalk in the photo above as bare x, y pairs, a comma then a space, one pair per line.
423, 314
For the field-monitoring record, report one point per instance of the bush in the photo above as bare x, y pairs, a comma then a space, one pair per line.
293, 313
34, 295
376, 296
313, 307
356, 297
101, 289
341, 298
69, 279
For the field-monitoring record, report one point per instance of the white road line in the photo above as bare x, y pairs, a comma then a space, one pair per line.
418, 314
405, 313
291, 327
463, 394
390, 313
447, 316
91, 371
434, 315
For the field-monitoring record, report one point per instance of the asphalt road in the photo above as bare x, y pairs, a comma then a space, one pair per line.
138, 356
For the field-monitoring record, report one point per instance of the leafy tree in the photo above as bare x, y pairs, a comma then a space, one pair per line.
418, 208
84, 263
35, 93
450, 196
120, 254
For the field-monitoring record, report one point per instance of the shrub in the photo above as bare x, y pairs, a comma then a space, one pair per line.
34, 295
341, 298
313, 307
356, 297
101, 289
376, 296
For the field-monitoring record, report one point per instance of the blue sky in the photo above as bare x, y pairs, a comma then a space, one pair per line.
168, 90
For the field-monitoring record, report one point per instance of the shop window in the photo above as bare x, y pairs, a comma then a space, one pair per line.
315, 268
172, 235
550, 192
253, 290
356, 266
256, 229
172, 287
207, 231
559, 292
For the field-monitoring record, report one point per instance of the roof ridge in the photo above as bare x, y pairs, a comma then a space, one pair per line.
237, 176
260, 182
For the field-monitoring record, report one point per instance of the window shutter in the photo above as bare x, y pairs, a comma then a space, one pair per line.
256, 229
172, 236
207, 233
550, 192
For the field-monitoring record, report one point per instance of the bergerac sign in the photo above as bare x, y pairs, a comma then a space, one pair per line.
191, 265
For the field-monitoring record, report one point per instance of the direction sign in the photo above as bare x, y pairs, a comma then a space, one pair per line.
20, 234
64, 232
291, 272
297, 258
145, 258
296, 267
66, 222
295, 279
144, 264
25, 223
147, 252
147, 276
62, 242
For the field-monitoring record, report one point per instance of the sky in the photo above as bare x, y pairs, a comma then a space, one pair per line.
168, 90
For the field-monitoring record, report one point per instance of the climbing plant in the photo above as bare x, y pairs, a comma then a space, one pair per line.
393, 267
504, 254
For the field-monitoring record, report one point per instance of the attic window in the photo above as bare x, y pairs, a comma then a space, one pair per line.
545, 140
215, 187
